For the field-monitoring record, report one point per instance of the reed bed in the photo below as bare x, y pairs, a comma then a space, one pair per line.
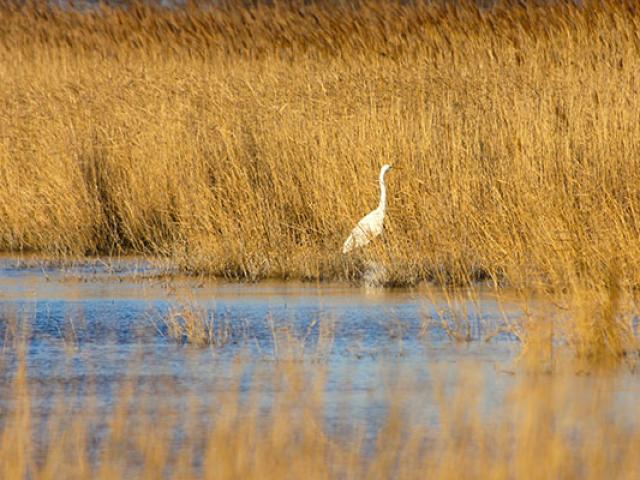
245, 141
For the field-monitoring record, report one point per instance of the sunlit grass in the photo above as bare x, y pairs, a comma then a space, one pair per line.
561, 425
246, 142
194, 325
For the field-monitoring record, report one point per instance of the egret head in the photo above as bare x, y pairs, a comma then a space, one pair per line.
385, 168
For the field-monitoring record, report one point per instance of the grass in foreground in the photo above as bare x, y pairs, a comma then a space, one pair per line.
558, 426
564, 415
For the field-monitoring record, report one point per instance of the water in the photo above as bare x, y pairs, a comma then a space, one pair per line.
90, 328
94, 319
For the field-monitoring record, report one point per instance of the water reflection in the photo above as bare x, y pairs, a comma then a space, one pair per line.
96, 320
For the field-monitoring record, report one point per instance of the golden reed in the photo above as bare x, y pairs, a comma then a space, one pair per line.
244, 141
557, 426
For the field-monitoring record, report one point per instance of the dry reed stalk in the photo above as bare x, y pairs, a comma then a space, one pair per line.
193, 324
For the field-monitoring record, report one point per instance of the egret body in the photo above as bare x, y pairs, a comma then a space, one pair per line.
371, 224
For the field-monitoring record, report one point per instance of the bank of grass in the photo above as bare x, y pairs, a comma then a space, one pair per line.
245, 141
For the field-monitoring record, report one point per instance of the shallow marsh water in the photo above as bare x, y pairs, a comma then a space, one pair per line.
90, 328
103, 316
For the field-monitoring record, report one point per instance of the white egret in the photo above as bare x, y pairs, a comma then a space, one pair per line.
371, 224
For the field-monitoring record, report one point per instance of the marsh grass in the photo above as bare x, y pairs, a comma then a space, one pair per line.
190, 323
245, 141
193, 324
542, 426
589, 329
269, 419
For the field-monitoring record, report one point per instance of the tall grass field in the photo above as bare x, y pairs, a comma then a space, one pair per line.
245, 141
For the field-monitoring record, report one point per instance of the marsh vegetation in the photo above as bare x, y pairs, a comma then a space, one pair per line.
244, 142
124, 372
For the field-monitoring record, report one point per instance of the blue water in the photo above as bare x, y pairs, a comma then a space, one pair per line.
91, 327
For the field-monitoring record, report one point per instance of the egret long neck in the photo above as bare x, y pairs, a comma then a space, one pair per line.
383, 193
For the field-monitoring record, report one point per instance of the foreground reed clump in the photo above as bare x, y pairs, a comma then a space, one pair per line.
245, 141
549, 426
194, 325
297, 411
